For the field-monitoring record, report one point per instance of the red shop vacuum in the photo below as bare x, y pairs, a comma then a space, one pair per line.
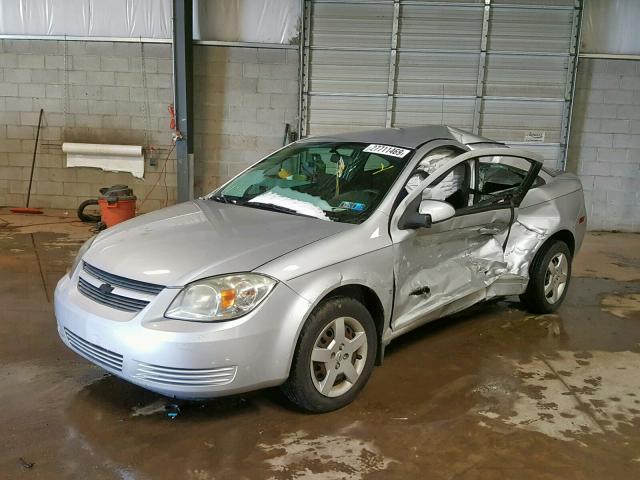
116, 203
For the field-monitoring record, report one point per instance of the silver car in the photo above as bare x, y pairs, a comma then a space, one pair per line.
300, 270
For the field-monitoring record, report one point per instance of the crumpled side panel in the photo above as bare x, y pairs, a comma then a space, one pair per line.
476, 267
524, 242
534, 225
451, 264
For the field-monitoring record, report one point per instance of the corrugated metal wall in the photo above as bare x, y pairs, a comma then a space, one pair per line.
499, 68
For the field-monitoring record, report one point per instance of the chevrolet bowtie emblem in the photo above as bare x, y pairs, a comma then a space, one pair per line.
106, 288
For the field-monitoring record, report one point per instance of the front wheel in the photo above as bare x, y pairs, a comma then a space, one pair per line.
548, 278
334, 356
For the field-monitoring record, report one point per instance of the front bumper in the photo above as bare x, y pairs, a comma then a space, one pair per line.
188, 360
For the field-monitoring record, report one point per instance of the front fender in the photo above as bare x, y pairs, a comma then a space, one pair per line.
373, 270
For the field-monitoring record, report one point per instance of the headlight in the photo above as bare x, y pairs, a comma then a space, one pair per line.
83, 249
220, 298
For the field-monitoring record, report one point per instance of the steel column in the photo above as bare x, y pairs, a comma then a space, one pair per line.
482, 65
303, 100
570, 87
301, 63
183, 94
393, 61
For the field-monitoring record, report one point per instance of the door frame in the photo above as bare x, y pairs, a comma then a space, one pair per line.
397, 235
491, 213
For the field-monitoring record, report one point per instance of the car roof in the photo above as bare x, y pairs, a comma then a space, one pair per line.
409, 137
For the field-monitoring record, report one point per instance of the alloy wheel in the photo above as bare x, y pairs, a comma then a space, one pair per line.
338, 357
555, 280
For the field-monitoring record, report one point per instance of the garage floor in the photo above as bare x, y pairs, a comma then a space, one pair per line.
492, 393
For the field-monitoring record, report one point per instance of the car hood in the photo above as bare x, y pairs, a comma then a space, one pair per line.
202, 238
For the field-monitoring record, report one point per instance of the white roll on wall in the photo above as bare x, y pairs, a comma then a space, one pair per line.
102, 149
114, 158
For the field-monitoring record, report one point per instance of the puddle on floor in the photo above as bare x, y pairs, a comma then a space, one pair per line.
159, 406
622, 305
417, 418
301, 456
567, 394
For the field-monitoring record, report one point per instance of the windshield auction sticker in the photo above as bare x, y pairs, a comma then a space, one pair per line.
387, 150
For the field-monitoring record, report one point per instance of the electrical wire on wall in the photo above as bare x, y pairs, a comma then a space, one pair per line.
147, 148
163, 172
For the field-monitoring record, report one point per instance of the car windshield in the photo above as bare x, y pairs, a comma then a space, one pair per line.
341, 182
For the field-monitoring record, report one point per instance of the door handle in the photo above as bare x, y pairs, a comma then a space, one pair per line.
488, 231
421, 291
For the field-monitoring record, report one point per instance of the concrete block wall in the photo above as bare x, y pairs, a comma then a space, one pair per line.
243, 99
605, 142
91, 92
99, 94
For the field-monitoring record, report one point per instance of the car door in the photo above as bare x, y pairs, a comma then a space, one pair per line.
448, 265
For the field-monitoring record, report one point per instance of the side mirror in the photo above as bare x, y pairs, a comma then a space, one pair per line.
412, 220
437, 210
425, 213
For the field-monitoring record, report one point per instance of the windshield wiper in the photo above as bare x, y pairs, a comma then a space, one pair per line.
275, 208
220, 198
345, 216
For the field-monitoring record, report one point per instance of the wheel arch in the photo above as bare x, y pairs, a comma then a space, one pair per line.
371, 301
565, 236
534, 297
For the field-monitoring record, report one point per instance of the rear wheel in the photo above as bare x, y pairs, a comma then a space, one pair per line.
548, 278
334, 356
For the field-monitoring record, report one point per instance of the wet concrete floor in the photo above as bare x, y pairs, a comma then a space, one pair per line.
494, 392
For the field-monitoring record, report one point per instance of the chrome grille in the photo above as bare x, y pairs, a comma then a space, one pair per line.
96, 354
123, 282
195, 377
110, 299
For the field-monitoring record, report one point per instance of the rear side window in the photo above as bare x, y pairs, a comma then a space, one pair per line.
495, 177
499, 176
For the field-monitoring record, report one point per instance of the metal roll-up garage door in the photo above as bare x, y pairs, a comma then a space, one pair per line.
501, 68
346, 65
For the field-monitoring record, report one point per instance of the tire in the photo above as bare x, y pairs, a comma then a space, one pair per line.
341, 383
539, 298
86, 217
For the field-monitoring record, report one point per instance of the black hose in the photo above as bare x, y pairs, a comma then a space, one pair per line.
87, 217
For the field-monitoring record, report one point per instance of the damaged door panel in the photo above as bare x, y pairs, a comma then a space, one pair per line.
448, 261
443, 263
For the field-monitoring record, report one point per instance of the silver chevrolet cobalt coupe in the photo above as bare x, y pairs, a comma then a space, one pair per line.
301, 269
